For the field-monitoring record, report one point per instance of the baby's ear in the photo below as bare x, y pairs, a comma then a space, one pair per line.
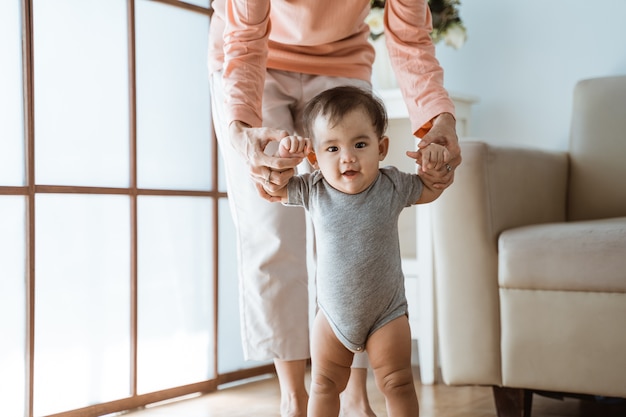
383, 147
312, 159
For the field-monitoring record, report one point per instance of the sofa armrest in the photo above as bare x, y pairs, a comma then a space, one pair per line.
495, 188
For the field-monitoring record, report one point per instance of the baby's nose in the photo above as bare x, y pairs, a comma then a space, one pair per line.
347, 155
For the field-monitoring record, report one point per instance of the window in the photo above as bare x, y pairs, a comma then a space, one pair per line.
116, 242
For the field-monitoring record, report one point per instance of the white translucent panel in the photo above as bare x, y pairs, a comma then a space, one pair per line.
12, 304
175, 290
173, 114
82, 319
230, 353
81, 92
11, 103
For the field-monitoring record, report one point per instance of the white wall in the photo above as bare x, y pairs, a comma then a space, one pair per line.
523, 58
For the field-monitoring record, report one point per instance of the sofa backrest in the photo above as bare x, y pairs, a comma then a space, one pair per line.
597, 187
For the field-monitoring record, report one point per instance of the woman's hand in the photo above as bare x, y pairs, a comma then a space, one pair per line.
442, 132
266, 170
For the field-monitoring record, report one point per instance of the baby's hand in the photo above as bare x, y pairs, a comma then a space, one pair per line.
294, 147
432, 157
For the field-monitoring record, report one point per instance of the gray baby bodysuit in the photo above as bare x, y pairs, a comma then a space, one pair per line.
360, 285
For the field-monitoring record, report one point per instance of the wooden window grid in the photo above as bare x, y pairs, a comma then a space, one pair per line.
31, 189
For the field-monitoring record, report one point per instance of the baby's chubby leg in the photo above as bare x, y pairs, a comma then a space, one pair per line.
330, 369
389, 350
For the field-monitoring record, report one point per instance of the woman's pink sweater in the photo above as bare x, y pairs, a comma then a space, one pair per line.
326, 38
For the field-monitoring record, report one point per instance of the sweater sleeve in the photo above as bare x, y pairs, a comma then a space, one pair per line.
420, 76
246, 34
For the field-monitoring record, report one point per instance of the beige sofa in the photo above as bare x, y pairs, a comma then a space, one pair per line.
530, 260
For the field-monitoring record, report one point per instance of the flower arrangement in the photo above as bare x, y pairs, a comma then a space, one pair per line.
447, 24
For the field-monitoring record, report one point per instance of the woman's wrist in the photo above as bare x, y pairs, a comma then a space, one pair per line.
237, 139
444, 117
238, 125
440, 118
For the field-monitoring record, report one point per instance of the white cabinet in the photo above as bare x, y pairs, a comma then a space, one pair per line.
396, 109
415, 229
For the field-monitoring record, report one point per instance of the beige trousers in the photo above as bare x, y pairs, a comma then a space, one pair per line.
272, 244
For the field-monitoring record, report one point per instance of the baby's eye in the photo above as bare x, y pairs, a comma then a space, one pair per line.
360, 145
332, 149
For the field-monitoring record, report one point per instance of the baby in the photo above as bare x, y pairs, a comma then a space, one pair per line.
354, 205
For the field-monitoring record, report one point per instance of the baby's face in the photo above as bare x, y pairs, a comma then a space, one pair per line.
348, 154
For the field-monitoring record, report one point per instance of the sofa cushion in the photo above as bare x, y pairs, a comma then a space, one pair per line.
597, 149
564, 341
575, 256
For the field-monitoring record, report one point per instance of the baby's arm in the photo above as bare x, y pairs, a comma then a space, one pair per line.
433, 159
289, 147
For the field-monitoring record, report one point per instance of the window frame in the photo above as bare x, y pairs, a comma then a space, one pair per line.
31, 189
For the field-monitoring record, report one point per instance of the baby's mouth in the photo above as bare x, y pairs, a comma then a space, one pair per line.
350, 173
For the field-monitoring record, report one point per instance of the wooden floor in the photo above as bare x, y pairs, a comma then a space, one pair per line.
260, 398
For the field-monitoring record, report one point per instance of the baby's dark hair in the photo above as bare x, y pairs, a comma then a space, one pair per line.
336, 102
